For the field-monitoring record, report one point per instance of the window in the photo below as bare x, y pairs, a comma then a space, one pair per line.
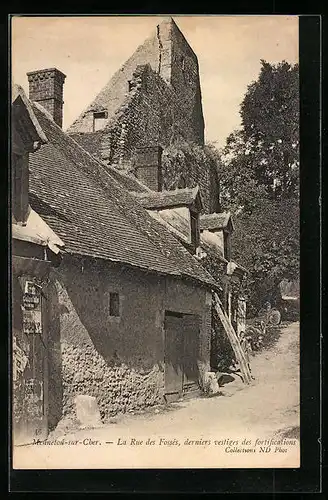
182, 183
194, 221
227, 247
99, 120
114, 304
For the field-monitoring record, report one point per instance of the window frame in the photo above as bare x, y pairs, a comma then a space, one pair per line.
194, 228
102, 118
227, 245
118, 306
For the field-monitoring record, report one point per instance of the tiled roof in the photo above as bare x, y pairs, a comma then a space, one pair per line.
214, 221
213, 251
130, 183
90, 142
169, 199
94, 215
37, 231
25, 119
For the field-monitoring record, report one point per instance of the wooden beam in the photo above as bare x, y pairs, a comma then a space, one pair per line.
234, 340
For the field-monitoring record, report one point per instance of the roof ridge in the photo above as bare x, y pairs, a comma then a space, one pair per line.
18, 91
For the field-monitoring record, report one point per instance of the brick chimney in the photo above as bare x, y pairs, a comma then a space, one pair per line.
148, 166
46, 87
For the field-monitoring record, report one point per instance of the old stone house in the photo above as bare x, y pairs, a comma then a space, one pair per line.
127, 313
153, 103
128, 297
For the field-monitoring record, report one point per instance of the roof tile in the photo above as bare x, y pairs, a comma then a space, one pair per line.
214, 220
168, 199
95, 216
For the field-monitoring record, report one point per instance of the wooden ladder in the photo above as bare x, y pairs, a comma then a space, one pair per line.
234, 340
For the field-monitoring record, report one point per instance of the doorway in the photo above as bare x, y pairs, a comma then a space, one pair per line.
181, 353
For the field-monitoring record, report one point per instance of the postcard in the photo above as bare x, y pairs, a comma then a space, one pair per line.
155, 242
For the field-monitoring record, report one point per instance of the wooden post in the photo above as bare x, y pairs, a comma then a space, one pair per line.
234, 340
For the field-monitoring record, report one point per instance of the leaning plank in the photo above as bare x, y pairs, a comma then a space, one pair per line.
233, 338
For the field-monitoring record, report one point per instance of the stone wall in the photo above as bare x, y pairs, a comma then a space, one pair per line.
169, 55
118, 360
186, 83
153, 100
116, 388
151, 115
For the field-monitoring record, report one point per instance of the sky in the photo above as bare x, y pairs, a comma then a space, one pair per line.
89, 50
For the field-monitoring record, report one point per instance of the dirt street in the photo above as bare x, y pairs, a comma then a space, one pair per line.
269, 408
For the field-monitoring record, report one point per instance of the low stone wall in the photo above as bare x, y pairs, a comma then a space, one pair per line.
116, 388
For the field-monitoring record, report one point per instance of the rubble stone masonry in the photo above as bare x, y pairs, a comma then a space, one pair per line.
153, 100
118, 360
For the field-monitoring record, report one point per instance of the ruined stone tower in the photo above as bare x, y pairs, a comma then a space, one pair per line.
153, 100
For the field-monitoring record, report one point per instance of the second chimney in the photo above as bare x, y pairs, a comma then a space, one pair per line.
148, 166
46, 87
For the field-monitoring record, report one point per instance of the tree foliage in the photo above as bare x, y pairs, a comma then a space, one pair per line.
266, 242
270, 126
259, 177
178, 160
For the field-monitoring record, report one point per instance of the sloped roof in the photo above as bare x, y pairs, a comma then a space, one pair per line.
170, 199
37, 231
94, 215
215, 221
130, 183
24, 120
214, 251
174, 222
233, 267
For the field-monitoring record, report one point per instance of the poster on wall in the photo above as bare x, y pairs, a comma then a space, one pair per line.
31, 308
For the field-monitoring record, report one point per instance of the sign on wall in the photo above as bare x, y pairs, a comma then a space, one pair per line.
32, 323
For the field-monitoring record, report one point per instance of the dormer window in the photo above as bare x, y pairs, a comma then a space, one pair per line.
99, 120
217, 228
178, 210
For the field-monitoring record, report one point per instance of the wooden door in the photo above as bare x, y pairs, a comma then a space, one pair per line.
191, 329
173, 357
